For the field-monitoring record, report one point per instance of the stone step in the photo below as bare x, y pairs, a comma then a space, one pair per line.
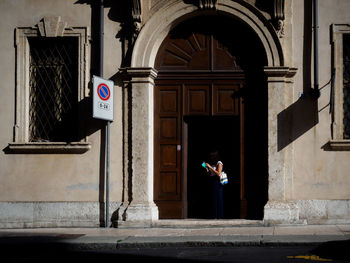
194, 223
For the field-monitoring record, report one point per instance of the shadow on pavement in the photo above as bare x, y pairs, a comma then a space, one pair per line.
39, 249
58, 248
335, 250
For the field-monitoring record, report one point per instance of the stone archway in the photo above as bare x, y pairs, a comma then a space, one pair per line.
171, 14
139, 132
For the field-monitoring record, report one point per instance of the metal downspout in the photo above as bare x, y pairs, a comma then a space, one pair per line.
316, 90
101, 33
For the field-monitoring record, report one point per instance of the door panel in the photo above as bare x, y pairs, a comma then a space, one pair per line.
168, 185
197, 100
168, 156
167, 169
168, 100
224, 100
168, 129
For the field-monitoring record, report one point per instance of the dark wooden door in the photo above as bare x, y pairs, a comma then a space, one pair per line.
176, 100
168, 159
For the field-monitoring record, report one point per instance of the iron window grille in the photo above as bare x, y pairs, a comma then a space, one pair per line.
340, 89
53, 89
346, 83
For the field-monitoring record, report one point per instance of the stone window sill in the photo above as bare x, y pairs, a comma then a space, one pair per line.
49, 147
338, 145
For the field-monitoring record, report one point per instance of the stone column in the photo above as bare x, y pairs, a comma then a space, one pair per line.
138, 209
278, 209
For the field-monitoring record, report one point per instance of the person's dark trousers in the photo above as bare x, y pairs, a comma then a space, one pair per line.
218, 200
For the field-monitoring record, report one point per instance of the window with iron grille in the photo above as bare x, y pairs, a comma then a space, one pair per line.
346, 83
340, 88
53, 91
52, 77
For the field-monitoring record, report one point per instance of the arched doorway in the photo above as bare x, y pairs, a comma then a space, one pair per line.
210, 92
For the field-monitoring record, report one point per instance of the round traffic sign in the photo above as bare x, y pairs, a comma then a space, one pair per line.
103, 91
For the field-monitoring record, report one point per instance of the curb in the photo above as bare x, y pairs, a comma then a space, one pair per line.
227, 241
103, 243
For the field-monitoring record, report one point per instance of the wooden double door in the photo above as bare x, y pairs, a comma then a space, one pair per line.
192, 117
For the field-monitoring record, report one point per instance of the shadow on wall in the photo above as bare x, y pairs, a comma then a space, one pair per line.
296, 120
302, 115
120, 11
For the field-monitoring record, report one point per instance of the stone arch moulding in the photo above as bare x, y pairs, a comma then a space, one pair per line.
174, 12
140, 209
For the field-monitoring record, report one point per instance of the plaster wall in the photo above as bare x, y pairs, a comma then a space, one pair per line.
55, 177
318, 173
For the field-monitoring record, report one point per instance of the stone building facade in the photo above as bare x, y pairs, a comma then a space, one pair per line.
246, 67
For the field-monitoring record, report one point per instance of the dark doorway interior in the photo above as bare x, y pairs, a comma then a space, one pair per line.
255, 144
204, 135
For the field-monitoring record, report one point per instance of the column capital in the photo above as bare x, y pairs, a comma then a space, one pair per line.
138, 74
280, 74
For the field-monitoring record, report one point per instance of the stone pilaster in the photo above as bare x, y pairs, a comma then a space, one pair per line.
278, 209
139, 208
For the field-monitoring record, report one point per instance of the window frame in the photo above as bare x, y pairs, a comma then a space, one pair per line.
47, 27
337, 142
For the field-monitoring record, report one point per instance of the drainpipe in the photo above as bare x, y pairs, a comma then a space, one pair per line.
101, 11
316, 90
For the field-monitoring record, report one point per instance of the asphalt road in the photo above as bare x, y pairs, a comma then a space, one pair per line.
223, 254
337, 251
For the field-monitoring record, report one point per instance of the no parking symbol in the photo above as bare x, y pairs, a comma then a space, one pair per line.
103, 91
102, 98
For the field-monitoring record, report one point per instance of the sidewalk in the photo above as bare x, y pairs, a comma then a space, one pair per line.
180, 233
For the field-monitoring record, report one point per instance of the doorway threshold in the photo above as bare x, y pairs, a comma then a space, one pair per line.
205, 223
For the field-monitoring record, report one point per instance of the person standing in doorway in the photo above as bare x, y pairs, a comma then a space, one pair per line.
214, 169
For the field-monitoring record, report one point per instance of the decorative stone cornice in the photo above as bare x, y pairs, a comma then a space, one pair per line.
52, 26
337, 145
49, 147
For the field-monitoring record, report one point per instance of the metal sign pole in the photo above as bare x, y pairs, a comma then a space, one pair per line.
107, 175
103, 109
108, 122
